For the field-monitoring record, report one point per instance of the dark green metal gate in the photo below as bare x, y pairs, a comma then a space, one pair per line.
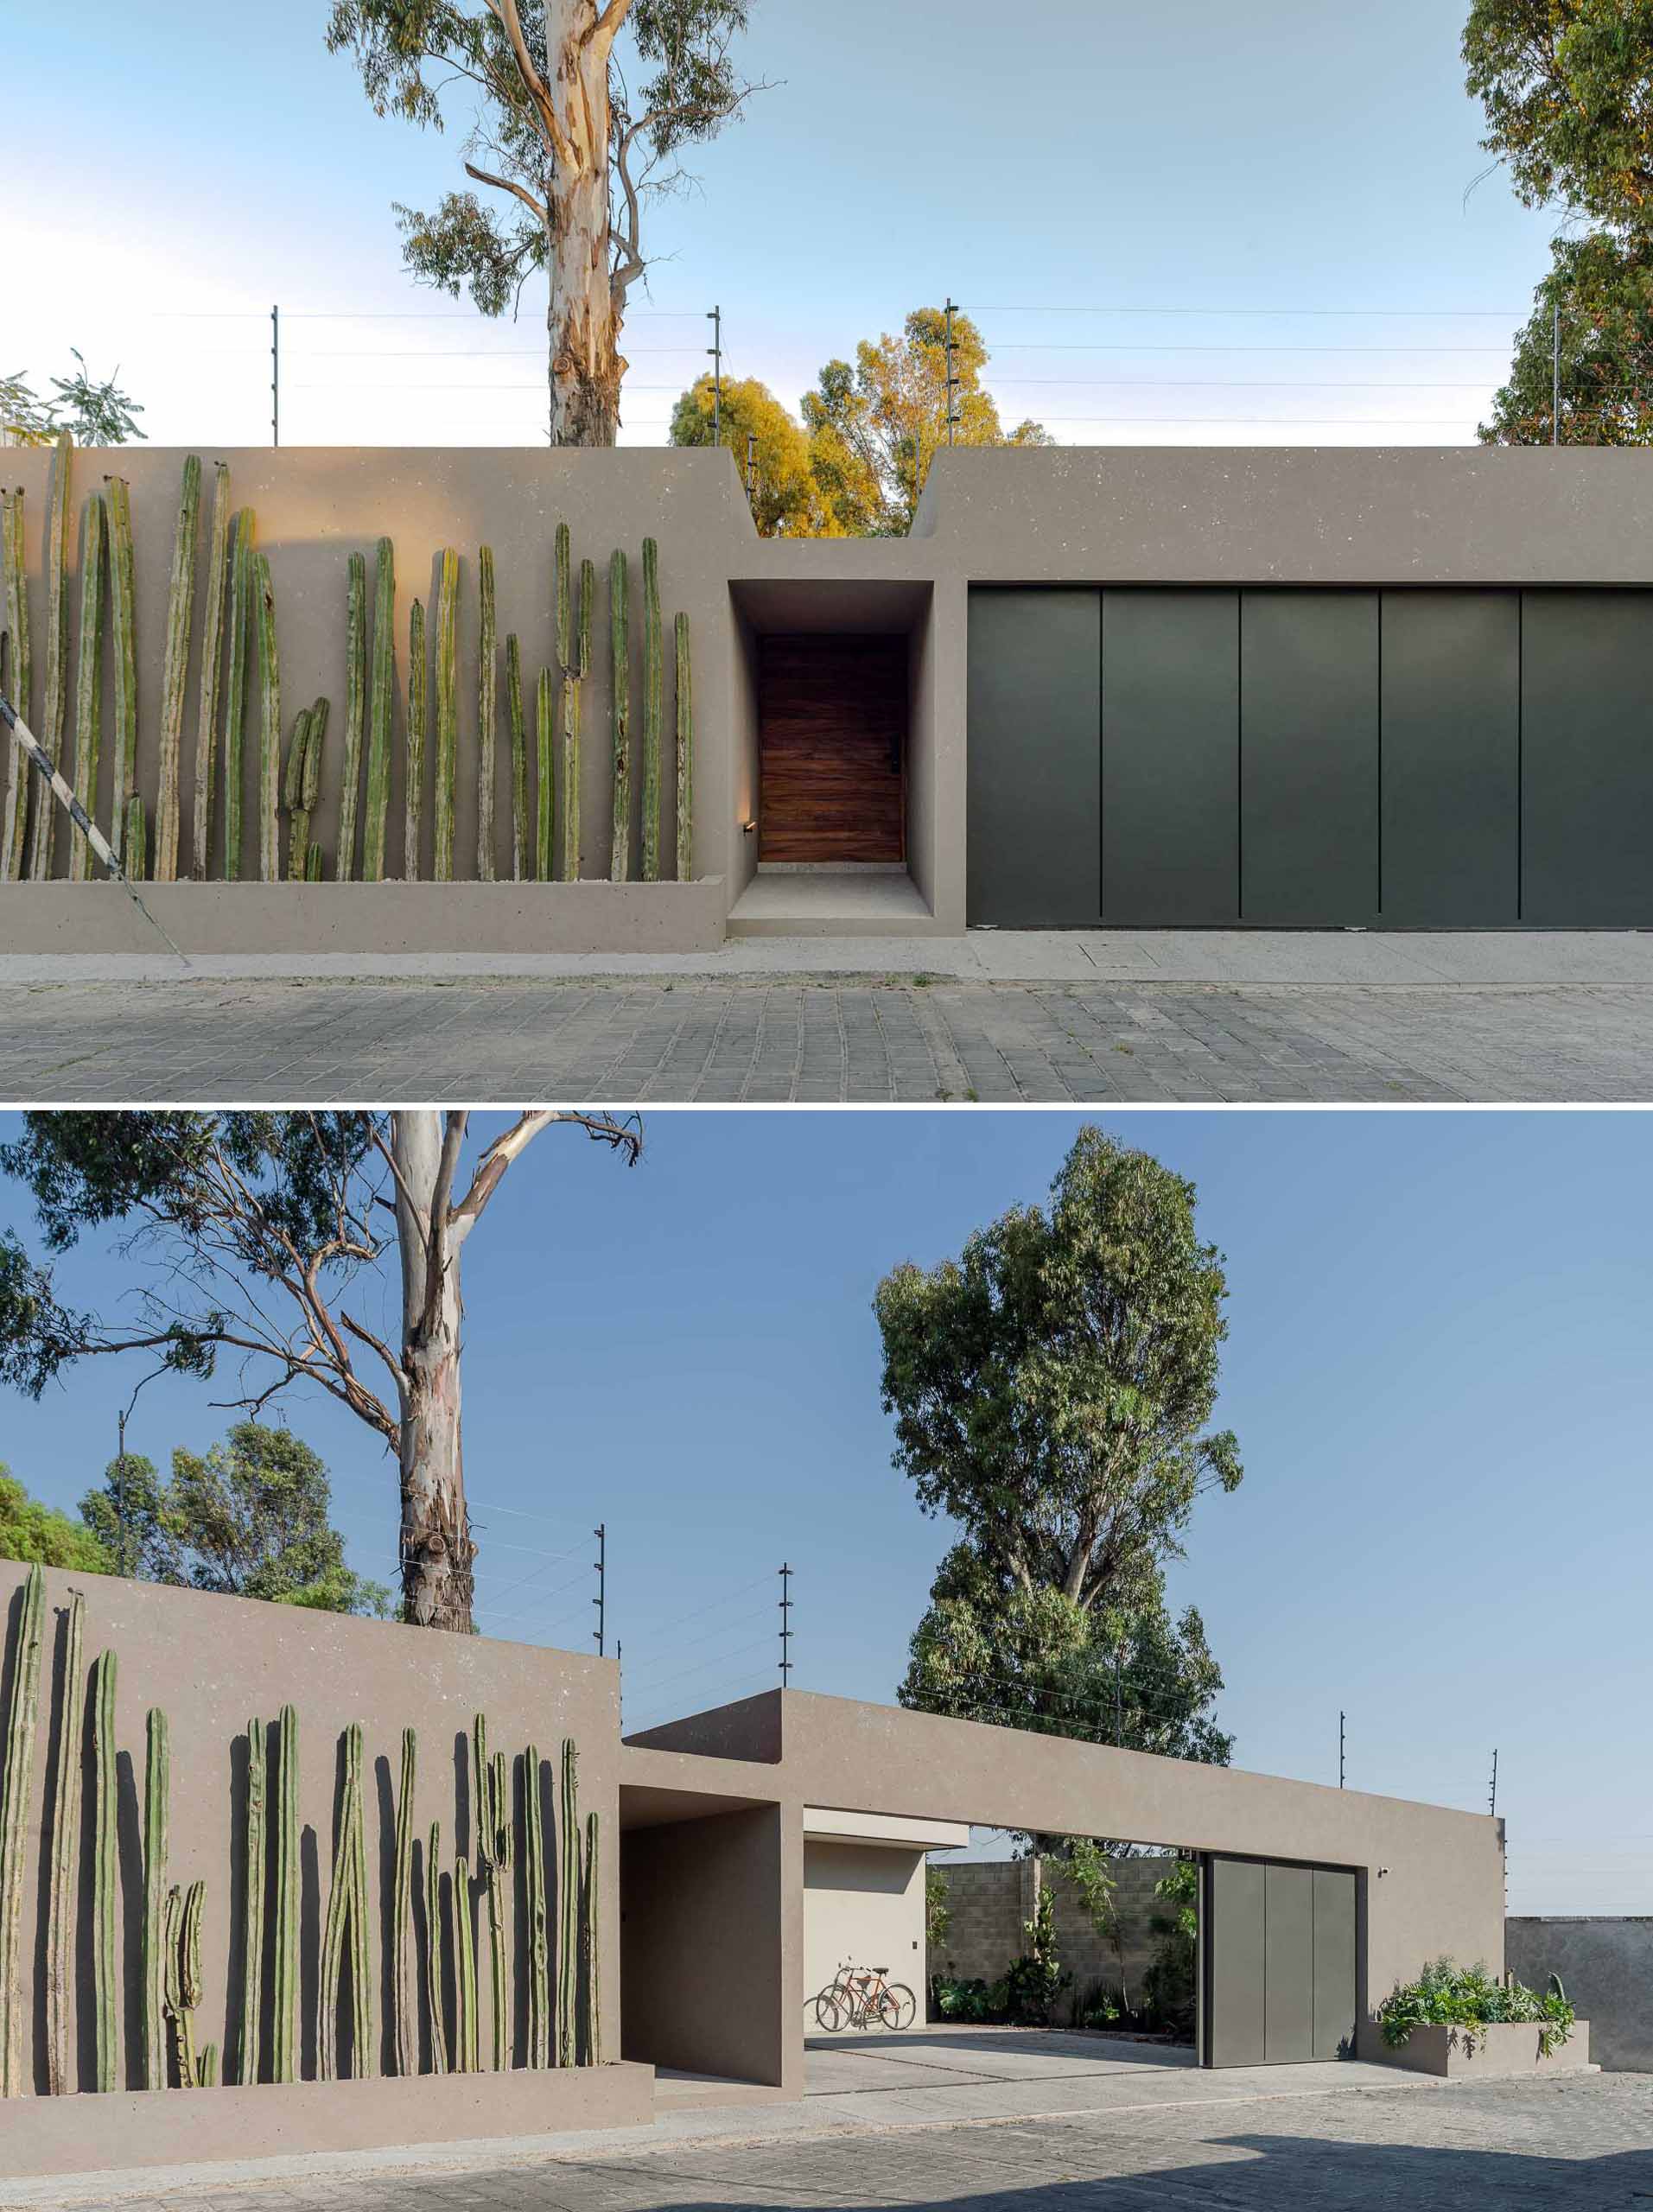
1278, 1962
1151, 757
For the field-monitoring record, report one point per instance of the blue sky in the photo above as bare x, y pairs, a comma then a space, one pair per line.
1195, 154
1438, 1371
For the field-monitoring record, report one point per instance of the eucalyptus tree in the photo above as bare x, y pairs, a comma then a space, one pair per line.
259, 1242
1052, 1390
569, 150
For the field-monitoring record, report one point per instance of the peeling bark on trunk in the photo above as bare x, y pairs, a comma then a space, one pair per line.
436, 1547
583, 318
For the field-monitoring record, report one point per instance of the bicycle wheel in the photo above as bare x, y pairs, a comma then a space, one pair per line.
898, 2006
828, 2012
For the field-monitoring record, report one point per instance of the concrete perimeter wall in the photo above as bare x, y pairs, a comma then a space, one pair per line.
1430, 1880
316, 506
1606, 1966
211, 1664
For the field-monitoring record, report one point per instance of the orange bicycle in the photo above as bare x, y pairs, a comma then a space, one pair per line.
860, 1997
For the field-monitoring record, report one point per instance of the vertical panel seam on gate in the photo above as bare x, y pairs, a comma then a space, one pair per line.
1521, 754
1239, 753
1382, 596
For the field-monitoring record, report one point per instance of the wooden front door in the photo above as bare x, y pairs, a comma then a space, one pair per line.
832, 714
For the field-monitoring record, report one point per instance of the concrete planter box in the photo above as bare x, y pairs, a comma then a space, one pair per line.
150, 2127
369, 918
1505, 2048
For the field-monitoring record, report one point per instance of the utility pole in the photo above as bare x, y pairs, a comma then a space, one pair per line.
1340, 1749
1493, 1795
785, 1624
275, 375
715, 349
1119, 1698
600, 1532
120, 1487
752, 468
1555, 376
950, 310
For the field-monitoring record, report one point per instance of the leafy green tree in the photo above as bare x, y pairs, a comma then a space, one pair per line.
877, 426
1567, 88
250, 1519
560, 140
1052, 1390
1602, 286
787, 501
29, 1530
97, 414
268, 1235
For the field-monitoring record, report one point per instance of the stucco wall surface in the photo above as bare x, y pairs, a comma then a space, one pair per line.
863, 1903
212, 1663
315, 505
1607, 1968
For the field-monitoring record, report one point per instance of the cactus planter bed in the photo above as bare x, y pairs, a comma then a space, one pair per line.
377, 920
50, 2135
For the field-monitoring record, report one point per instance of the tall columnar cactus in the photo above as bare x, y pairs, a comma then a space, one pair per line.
447, 714
405, 2023
418, 710
546, 790
264, 594
182, 1992
252, 1908
487, 715
209, 2066
619, 865
55, 704
235, 691
435, 2002
124, 639
157, 1785
285, 2024
363, 2050
62, 1910
653, 709
106, 1876
133, 838
574, 672
346, 1923
355, 714
15, 780
568, 1925
89, 680
174, 678
685, 756
212, 664
592, 1947
519, 833
495, 1838
467, 2045
303, 785
379, 716
22, 1713
538, 1948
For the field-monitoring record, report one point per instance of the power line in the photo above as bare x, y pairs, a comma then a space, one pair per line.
1040, 346
1414, 315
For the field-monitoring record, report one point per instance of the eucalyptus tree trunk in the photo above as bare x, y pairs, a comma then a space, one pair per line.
436, 1547
583, 317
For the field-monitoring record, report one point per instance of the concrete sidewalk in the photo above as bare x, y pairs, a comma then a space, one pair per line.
1370, 960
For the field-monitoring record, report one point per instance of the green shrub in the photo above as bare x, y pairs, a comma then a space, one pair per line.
1168, 1985
980, 2003
1447, 1995
1038, 1977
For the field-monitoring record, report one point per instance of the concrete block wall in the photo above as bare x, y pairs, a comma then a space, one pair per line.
991, 1901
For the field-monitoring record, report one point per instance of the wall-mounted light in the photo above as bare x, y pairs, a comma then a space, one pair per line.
748, 826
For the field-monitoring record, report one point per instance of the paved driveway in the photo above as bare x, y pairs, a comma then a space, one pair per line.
1572, 2145
632, 1040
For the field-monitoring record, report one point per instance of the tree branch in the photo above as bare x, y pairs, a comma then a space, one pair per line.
505, 184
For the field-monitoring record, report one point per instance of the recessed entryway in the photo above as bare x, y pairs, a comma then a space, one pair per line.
832, 733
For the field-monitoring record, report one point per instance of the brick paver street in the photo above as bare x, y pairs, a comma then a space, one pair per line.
1583, 2145
764, 1038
